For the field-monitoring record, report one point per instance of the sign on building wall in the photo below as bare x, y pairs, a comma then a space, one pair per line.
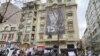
55, 20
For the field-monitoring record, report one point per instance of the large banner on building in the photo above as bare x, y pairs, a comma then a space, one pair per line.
55, 20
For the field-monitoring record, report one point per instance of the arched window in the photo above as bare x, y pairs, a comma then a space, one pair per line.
6, 28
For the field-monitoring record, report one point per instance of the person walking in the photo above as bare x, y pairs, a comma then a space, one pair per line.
29, 54
22, 53
14, 53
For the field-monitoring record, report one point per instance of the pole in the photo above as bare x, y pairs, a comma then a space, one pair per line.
58, 26
57, 18
58, 44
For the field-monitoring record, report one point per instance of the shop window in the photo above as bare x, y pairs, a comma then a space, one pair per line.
70, 46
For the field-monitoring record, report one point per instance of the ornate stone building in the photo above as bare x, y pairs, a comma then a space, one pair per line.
48, 21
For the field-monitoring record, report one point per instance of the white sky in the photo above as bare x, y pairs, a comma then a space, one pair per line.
82, 6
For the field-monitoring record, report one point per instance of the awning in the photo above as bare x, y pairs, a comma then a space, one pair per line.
40, 46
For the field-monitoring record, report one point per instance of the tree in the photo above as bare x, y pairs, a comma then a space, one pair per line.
1, 18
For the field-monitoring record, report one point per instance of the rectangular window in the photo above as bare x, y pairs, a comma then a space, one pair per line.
29, 15
28, 28
28, 21
42, 18
5, 36
12, 36
41, 29
2, 36
69, 13
33, 28
35, 13
70, 26
42, 24
70, 46
34, 19
9, 36
12, 28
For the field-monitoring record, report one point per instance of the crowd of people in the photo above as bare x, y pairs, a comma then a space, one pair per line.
33, 52
17, 52
28, 52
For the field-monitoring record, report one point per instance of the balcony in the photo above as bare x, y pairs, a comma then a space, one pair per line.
70, 30
69, 13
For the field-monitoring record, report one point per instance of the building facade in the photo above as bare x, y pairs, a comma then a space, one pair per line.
11, 18
57, 18
86, 41
8, 36
92, 18
48, 21
27, 25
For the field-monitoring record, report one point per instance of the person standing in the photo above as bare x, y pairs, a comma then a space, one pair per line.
29, 54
